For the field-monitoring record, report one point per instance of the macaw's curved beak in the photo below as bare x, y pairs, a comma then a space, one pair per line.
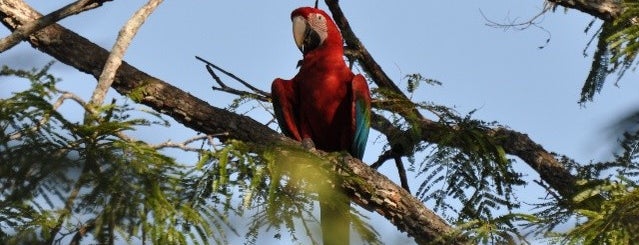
306, 38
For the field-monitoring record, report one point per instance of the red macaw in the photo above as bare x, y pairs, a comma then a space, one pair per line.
325, 102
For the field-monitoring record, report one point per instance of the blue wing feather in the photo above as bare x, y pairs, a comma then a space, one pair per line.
362, 113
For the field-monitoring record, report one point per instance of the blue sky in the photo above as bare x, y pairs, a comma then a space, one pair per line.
501, 73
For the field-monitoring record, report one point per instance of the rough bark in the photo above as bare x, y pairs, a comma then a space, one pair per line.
374, 192
602, 9
519, 144
29, 28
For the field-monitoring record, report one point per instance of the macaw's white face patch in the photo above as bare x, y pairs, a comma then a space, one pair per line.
318, 24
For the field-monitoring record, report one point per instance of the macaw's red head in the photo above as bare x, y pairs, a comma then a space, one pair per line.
314, 29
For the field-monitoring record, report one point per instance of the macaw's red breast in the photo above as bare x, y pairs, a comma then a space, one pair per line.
325, 109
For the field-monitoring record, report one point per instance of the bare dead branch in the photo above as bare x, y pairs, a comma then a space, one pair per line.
516, 23
224, 88
125, 36
533, 21
257, 93
185, 144
27, 29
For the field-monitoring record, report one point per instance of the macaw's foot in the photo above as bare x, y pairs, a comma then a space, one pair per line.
308, 144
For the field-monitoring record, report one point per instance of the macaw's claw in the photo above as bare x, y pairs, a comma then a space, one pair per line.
308, 144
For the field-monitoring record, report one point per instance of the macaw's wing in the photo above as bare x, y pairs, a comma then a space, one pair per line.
285, 105
362, 112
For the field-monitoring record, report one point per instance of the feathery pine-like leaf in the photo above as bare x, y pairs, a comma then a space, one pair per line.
88, 176
479, 175
616, 50
616, 222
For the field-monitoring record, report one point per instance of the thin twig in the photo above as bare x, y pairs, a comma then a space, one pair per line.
264, 95
402, 172
224, 88
82, 231
550, 191
522, 25
387, 155
248, 85
26, 30
68, 205
114, 60
65, 96
185, 144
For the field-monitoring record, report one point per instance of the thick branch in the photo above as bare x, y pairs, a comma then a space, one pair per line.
374, 192
602, 9
520, 145
29, 28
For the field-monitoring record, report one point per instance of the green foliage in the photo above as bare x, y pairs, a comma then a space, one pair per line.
499, 230
616, 51
552, 210
464, 164
415, 79
294, 180
605, 207
62, 180
617, 221
67, 181
600, 68
476, 172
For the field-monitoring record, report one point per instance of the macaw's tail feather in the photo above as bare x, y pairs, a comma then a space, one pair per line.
335, 216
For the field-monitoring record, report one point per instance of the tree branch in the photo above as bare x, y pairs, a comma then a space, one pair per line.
114, 60
513, 142
602, 9
27, 29
185, 145
374, 191
256, 94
